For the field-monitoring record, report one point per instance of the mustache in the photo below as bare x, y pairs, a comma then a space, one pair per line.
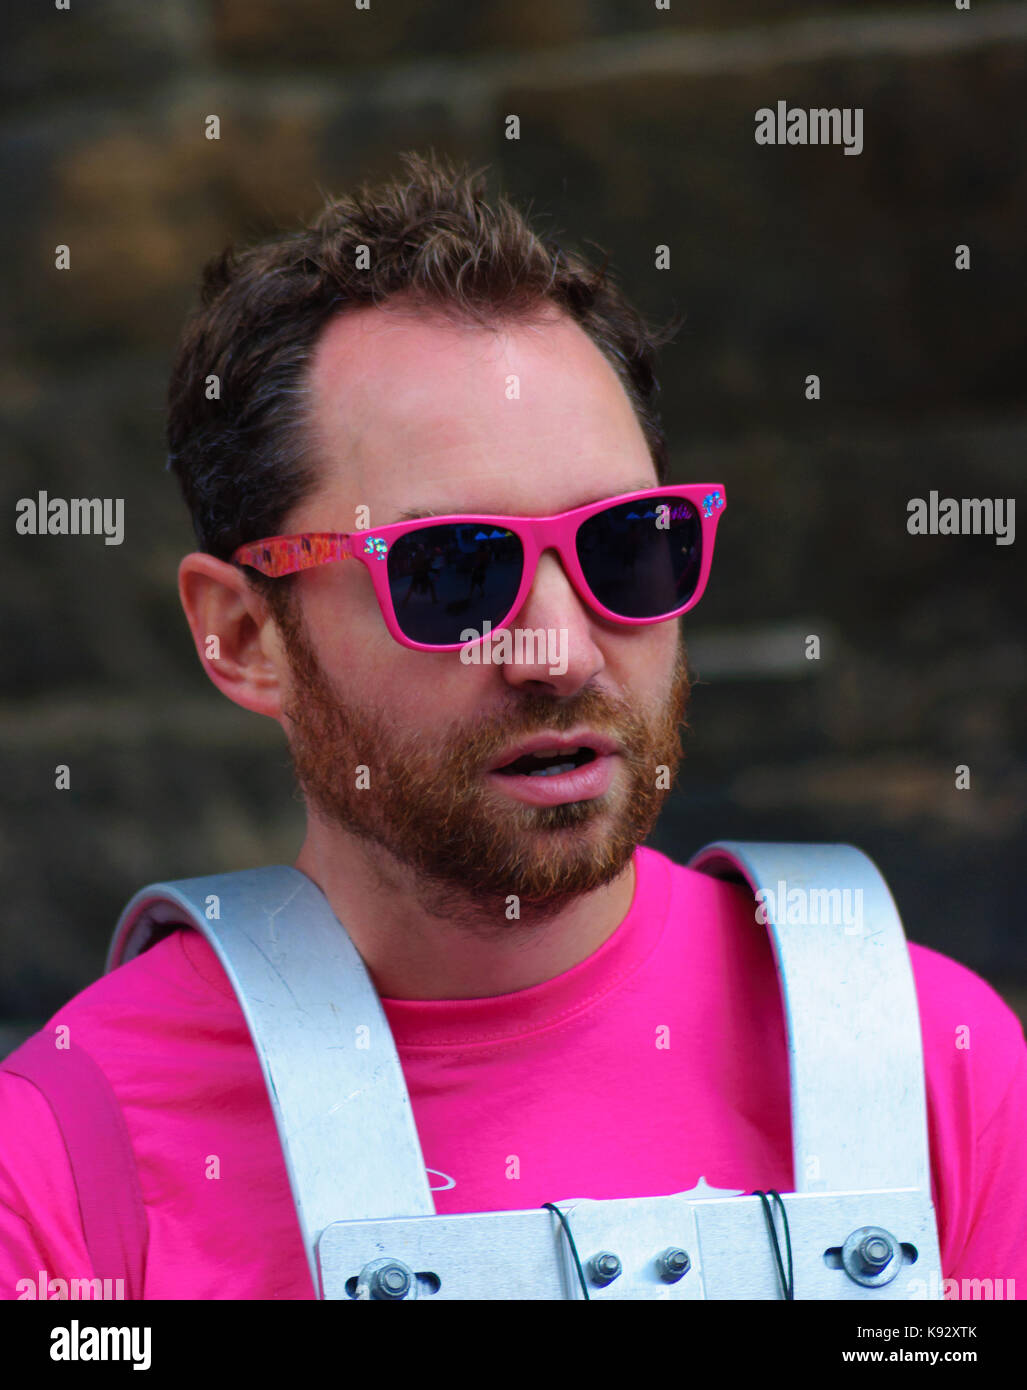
466, 753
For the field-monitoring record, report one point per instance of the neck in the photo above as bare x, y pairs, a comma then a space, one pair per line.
419, 942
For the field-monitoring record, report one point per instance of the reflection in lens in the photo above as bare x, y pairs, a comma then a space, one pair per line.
642, 559
445, 579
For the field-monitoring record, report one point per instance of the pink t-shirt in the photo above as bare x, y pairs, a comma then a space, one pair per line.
550, 1093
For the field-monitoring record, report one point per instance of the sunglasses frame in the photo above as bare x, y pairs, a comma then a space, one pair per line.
280, 555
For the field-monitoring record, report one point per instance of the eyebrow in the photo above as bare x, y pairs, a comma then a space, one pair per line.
418, 514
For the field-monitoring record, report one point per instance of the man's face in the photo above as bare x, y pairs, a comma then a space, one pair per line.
416, 413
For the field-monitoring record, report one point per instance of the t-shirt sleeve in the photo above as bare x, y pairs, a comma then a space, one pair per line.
40, 1225
996, 1244
975, 1059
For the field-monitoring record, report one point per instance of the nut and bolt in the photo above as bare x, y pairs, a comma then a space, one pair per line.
873, 1254
392, 1281
673, 1264
386, 1279
604, 1268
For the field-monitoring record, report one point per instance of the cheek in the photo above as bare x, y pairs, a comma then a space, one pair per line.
644, 660
437, 689
416, 689
345, 626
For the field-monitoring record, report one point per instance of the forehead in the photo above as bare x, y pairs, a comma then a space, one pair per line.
415, 412
639, 484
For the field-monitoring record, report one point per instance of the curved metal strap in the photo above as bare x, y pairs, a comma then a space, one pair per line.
333, 1075
859, 1114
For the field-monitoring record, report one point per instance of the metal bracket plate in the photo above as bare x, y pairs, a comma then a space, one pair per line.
524, 1255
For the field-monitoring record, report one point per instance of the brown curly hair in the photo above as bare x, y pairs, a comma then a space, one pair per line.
245, 459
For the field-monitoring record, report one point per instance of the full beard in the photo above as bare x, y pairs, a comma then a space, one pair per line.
428, 804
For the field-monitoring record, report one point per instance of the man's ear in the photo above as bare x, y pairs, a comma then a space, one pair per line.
235, 636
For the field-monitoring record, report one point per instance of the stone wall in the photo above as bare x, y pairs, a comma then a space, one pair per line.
636, 129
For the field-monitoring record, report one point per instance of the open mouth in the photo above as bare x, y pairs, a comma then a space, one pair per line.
548, 764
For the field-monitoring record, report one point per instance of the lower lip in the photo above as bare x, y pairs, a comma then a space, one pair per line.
581, 784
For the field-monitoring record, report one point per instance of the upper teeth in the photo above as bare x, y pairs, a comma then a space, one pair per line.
567, 765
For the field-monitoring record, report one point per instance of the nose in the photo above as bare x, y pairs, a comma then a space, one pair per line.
554, 648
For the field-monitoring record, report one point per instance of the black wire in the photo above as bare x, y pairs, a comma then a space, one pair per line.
787, 1283
790, 1288
774, 1241
574, 1249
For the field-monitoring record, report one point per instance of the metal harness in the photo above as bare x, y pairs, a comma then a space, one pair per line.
859, 1225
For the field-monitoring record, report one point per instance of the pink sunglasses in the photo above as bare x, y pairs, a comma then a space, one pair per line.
443, 582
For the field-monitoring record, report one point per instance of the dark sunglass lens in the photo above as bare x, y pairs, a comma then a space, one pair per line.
446, 580
642, 559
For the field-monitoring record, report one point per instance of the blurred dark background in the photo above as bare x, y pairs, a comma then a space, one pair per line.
636, 130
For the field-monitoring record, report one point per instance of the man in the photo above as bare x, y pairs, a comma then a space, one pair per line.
575, 1015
